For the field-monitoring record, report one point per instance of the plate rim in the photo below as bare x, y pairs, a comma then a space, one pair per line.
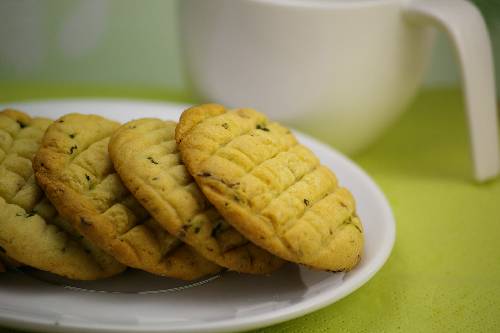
304, 307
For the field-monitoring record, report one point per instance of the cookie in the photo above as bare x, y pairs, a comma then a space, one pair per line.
31, 232
145, 156
7, 262
269, 187
75, 171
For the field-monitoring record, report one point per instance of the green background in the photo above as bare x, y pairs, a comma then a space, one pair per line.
444, 273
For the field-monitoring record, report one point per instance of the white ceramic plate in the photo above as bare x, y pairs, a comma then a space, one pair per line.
139, 302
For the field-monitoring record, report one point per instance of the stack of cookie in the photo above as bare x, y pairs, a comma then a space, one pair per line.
222, 189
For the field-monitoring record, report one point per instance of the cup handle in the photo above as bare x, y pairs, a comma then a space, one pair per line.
465, 27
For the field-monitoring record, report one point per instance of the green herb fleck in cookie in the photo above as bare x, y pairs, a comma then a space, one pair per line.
152, 160
262, 128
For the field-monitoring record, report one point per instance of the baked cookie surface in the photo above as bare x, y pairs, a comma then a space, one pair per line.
74, 169
269, 187
145, 156
31, 232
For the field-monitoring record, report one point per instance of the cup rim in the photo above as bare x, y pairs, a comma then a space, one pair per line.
325, 4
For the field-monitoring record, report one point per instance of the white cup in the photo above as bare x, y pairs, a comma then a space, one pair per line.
342, 69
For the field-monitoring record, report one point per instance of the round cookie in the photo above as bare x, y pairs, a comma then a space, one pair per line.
31, 232
269, 187
145, 156
75, 171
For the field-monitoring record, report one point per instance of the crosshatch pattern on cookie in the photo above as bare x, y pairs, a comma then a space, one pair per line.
145, 155
75, 170
31, 231
271, 188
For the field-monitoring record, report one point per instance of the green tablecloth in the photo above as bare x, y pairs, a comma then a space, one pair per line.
444, 272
